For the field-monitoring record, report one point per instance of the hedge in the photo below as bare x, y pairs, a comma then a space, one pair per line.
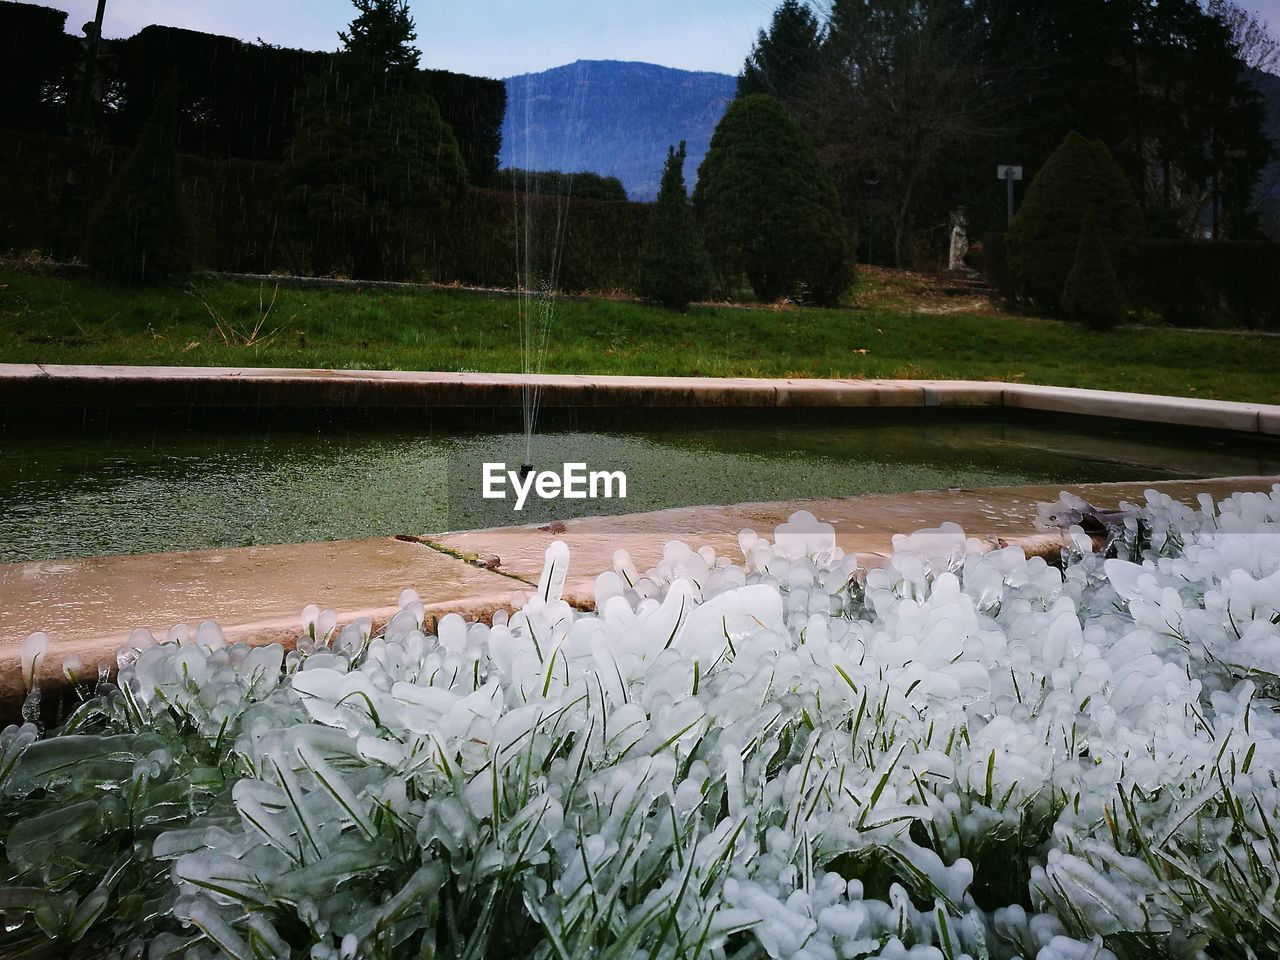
599, 246
36, 54
241, 99
236, 99
1189, 283
238, 227
1203, 283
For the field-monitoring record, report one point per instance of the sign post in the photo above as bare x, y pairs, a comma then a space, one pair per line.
1009, 173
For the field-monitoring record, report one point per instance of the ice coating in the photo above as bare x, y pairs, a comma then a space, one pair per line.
962, 754
34, 649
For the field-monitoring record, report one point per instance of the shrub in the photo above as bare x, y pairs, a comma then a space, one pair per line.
141, 232
673, 264
1092, 294
582, 185
768, 209
585, 244
1079, 176
1200, 283
371, 182
36, 66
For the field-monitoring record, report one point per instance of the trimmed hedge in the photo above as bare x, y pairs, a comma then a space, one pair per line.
1202, 283
583, 185
236, 99
600, 247
1186, 283
232, 202
236, 214
36, 55
242, 100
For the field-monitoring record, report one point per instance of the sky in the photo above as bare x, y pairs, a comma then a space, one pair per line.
492, 38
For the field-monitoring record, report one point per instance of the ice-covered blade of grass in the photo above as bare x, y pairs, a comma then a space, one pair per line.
964, 754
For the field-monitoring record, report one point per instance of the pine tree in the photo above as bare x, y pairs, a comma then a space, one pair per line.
787, 57
767, 208
1092, 294
673, 265
141, 232
1080, 175
382, 34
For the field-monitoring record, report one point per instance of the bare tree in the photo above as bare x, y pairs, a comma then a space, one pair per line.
903, 94
1256, 44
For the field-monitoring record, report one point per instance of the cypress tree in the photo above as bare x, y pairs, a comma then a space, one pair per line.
768, 209
141, 232
672, 270
1080, 175
374, 177
1092, 294
371, 185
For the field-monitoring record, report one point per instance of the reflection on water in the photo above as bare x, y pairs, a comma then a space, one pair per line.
142, 489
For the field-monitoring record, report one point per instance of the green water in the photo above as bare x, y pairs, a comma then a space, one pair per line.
136, 487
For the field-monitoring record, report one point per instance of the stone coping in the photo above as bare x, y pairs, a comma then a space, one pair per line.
89, 606
51, 385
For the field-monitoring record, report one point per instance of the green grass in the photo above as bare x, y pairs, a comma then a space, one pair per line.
46, 319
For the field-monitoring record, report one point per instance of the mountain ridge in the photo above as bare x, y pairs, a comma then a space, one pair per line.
612, 117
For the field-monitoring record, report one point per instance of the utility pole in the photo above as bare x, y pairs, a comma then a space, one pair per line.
80, 125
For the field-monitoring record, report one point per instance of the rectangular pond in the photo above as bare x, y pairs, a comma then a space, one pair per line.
107, 484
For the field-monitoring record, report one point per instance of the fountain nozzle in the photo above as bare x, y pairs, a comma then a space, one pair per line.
525, 470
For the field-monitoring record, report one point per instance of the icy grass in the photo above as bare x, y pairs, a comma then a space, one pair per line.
962, 755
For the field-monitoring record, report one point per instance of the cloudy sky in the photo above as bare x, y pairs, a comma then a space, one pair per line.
495, 38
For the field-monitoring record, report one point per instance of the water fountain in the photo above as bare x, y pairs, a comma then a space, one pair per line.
541, 221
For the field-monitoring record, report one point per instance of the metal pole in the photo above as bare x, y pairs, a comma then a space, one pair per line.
81, 124
1008, 179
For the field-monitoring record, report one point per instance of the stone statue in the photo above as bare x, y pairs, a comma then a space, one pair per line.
959, 240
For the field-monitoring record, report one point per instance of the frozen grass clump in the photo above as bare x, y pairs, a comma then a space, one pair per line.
963, 754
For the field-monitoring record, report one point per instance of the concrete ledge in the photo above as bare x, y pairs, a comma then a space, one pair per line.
1181, 411
963, 393
255, 594
48, 385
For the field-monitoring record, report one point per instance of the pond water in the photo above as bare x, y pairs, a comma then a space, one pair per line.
127, 486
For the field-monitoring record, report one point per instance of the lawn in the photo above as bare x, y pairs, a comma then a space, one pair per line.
47, 319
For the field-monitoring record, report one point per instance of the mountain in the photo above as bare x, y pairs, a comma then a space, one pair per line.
613, 118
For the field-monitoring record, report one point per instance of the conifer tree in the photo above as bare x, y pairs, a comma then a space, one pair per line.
1081, 175
768, 210
383, 34
373, 178
673, 265
787, 57
1092, 295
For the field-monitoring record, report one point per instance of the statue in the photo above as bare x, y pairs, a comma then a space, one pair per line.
959, 240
